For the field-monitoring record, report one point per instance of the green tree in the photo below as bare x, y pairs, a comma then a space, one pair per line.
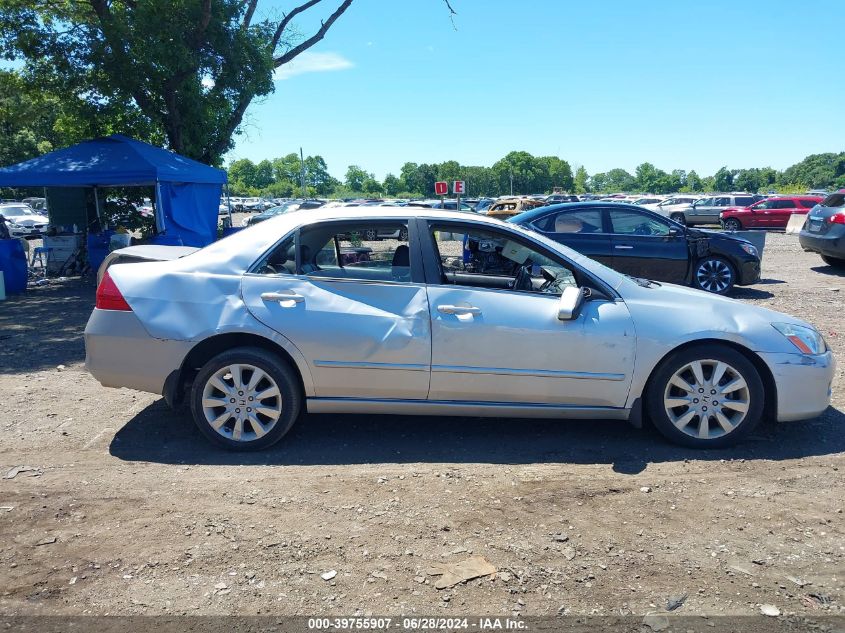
723, 180
263, 174
243, 171
355, 178
693, 182
649, 179
581, 181
558, 173
392, 185
189, 67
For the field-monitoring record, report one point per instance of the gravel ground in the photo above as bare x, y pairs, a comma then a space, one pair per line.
124, 509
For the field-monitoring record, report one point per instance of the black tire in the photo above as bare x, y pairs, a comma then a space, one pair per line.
833, 261
371, 235
732, 224
277, 369
403, 235
679, 218
714, 274
659, 383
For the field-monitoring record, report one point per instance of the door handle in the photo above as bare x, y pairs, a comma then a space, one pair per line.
623, 247
282, 296
447, 309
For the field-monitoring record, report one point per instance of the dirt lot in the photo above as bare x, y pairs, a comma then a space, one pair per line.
129, 511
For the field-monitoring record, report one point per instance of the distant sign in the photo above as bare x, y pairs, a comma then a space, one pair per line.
459, 187
441, 188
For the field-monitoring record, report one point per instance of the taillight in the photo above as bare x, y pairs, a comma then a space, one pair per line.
109, 297
837, 218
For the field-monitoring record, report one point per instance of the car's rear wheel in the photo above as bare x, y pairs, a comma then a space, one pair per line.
705, 397
732, 224
245, 399
403, 234
371, 235
678, 217
833, 261
714, 274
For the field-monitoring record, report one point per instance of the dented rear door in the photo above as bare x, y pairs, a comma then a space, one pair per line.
361, 339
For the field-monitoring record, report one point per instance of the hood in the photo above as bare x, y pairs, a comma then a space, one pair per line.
28, 220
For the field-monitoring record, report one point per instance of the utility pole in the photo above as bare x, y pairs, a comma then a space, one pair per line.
511, 182
302, 173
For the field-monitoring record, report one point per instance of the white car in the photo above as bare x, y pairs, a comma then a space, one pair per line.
299, 314
676, 205
23, 221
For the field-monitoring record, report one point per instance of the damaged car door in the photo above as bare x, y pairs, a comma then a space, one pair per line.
357, 309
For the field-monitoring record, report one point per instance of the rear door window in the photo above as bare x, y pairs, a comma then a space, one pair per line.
744, 201
633, 223
807, 204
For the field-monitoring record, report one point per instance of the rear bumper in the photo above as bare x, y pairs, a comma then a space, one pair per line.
803, 383
831, 243
120, 353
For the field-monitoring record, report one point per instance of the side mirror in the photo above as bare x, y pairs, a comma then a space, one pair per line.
674, 231
570, 303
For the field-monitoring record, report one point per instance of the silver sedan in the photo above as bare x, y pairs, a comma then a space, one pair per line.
452, 315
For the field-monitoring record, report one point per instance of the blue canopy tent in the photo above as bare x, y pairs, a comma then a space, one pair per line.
187, 192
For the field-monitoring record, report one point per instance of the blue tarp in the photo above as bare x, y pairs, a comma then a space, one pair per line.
189, 190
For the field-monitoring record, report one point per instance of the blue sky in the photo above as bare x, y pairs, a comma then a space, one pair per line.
610, 83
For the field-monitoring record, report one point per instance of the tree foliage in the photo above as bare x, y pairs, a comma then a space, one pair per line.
186, 69
531, 174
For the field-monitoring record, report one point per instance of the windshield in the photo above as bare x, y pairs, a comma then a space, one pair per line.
16, 212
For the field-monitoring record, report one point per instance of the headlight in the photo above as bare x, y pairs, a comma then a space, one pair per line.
751, 250
806, 339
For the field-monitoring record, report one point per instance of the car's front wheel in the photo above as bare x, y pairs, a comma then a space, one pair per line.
245, 399
705, 397
714, 274
833, 261
732, 224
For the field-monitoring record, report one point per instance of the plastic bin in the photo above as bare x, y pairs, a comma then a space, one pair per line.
98, 248
13, 265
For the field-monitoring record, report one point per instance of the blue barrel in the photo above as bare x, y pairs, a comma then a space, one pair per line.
228, 230
13, 265
98, 248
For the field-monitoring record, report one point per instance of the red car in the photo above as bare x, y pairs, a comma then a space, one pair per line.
771, 213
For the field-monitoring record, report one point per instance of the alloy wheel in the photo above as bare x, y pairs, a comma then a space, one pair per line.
241, 402
714, 275
706, 399
732, 224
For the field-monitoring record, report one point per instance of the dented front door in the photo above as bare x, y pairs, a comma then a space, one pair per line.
361, 339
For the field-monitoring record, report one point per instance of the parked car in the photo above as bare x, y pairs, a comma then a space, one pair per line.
510, 207
23, 221
641, 243
557, 198
484, 204
707, 210
772, 213
672, 205
252, 330
824, 230
293, 205
645, 201
450, 205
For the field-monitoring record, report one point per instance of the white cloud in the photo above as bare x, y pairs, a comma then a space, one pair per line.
309, 62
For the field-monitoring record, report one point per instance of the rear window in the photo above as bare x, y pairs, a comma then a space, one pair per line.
834, 200
807, 204
580, 221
